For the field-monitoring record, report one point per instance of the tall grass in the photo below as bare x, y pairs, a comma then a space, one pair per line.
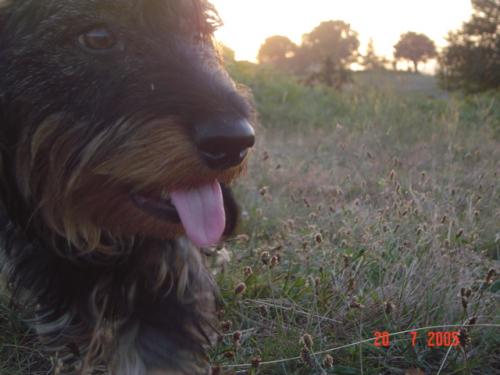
374, 209
393, 101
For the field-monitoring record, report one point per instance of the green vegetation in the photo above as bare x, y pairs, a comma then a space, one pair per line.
20, 353
471, 60
374, 209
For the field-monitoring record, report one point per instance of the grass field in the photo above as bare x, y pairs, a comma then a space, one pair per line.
368, 210
374, 209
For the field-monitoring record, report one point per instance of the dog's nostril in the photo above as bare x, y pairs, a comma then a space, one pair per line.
224, 144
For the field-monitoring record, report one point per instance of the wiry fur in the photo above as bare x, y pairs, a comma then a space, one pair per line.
112, 289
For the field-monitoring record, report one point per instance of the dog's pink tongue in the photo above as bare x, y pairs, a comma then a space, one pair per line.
202, 213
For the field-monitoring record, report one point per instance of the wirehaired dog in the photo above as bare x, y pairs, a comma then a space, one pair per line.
119, 133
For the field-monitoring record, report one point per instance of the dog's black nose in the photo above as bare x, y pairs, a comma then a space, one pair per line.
224, 143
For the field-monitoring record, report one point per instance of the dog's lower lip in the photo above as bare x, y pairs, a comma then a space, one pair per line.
158, 208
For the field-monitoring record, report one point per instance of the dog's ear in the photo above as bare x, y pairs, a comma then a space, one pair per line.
232, 210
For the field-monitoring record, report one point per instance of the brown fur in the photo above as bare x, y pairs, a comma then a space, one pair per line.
95, 196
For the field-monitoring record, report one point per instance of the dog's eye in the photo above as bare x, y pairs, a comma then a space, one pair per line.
99, 39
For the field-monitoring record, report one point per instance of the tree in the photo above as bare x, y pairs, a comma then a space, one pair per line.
415, 47
471, 61
333, 46
333, 39
371, 61
330, 74
276, 50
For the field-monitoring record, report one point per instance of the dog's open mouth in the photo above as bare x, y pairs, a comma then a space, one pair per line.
201, 211
161, 207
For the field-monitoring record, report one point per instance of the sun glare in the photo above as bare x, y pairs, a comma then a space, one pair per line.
248, 23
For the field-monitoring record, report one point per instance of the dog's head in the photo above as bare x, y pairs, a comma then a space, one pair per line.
118, 119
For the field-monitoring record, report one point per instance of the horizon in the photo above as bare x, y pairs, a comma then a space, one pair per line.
248, 24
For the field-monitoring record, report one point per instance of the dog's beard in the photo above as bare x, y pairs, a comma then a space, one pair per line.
90, 188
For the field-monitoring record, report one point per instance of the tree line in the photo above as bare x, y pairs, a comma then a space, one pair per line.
470, 61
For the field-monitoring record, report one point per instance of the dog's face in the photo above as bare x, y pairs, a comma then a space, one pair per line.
117, 118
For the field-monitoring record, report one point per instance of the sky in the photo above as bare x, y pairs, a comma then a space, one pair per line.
247, 23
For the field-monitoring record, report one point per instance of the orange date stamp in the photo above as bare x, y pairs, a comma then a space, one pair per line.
433, 339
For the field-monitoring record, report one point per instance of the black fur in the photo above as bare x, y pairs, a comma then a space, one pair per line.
148, 304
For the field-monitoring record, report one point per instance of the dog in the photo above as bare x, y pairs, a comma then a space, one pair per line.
120, 132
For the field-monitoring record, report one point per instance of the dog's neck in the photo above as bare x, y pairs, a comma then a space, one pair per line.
161, 284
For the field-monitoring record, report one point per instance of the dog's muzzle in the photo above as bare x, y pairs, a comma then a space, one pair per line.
221, 144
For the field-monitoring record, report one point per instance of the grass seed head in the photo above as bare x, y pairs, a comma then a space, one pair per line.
241, 288
256, 361
465, 301
226, 326
465, 292
274, 261
490, 276
236, 336
389, 307
248, 271
307, 341
464, 337
305, 356
347, 260
328, 361
392, 175
356, 305
242, 238
317, 282
265, 257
